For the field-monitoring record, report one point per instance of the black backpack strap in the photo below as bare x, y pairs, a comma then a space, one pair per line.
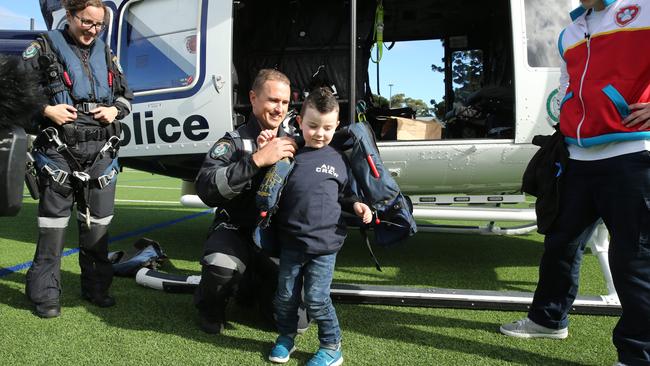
54, 69
364, 235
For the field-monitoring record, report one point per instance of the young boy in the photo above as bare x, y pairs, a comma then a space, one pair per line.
311, 231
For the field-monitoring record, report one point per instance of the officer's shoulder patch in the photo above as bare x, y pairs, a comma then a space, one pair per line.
31, 51
116, 62
219, 149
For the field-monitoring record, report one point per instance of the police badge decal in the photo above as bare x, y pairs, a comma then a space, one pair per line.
219, 149
31, 51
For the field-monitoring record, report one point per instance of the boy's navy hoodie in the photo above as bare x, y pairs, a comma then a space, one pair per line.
309, 213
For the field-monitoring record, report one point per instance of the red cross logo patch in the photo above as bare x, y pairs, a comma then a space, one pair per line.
627, 14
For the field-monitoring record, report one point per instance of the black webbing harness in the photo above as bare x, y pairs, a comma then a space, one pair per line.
81, 181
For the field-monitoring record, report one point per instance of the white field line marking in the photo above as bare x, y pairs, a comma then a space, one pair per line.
147, 187
145, 201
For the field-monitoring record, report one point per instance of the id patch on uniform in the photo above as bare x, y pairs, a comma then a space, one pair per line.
31, 51
219, 149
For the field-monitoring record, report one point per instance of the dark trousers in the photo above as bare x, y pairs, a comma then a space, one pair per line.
55, 206
618, 190
230, 263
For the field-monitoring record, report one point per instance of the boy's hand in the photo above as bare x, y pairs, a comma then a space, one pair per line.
264, 138
363, 211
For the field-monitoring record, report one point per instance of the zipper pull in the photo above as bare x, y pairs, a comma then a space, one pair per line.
587, 36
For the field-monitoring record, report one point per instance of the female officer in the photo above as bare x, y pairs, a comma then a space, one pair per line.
76, 152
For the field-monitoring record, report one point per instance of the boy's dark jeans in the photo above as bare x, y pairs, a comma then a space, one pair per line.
316, 271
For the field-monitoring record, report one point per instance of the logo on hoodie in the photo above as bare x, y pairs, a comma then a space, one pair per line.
327, 169
627, 14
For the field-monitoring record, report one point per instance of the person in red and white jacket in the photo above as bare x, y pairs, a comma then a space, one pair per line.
605, 118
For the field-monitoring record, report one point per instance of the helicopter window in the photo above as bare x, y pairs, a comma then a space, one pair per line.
441, 48
452, 79
157, 54
544, 22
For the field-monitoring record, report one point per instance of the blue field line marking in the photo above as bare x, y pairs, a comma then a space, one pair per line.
162, 225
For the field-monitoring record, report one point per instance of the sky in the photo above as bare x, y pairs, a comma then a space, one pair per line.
407, 65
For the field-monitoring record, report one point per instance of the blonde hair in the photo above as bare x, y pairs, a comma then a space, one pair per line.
265, 75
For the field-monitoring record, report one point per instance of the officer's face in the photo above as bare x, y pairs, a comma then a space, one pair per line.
270, 103
318, 128
85, 25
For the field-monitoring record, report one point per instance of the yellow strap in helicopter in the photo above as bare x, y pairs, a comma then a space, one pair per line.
378, 35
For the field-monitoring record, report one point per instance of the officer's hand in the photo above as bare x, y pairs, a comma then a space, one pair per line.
640, 116
363, 211
264, 138
104, 115
276, 149
60, 114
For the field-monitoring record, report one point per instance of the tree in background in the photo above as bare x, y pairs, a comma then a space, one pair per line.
379, 101
400, 101
466, 70
438, 109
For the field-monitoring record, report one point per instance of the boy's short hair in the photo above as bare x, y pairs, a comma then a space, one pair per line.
265, 75
320, 99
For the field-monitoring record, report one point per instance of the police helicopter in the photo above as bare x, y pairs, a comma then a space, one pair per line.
191, 64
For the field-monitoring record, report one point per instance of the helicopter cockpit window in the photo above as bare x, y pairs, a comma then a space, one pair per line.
454, 78
544, 22
157, 54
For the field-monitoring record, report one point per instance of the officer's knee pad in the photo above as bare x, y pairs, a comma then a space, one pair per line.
219, 276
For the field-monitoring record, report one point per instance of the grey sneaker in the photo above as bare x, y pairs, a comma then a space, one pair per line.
526, 328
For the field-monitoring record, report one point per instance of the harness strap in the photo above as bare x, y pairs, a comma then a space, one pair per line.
82, 181
44, 163
378, 34
364, 235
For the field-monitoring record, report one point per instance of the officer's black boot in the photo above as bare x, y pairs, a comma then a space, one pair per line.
212, 295
43, 285
96, 269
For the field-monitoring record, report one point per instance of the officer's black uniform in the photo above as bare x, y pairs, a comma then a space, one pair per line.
52, 55
229, 180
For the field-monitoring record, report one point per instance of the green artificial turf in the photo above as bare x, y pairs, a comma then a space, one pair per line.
149, 327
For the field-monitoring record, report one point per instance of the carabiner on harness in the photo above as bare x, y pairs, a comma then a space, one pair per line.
57, 175
106, 179
82, 176
53, 136
113, 144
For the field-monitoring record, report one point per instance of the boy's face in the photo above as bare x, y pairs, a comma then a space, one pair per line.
318, 128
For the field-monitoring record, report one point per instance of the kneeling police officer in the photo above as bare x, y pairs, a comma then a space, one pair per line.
75, 152
228, 180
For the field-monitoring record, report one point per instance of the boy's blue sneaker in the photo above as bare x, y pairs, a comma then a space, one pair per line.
282, 349
326, 357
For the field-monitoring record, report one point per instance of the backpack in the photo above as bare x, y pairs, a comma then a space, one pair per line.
543, 176
369, 180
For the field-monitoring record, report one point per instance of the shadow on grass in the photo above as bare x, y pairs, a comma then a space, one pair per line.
442, 260
141, 309
375, 322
